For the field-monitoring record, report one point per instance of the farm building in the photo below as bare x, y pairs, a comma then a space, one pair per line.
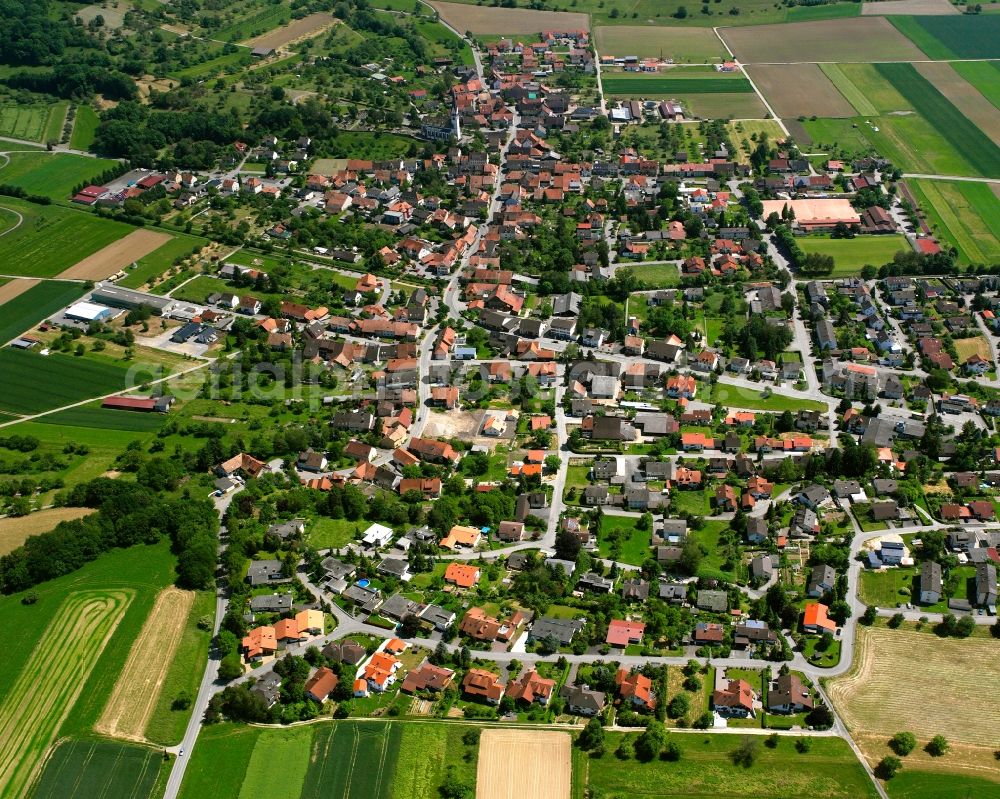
88, 312
142, 404
118, 297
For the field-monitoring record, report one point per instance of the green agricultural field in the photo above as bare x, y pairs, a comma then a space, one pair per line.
219, 763
51, 238
239, 57
369, 749
28, 309
161, 259
984, 75
965, 214
682, 45
52, 175
865, 89
938, 785
634, 543
628, 85
32, 122
914, 144
254, 24
67, 651
838, 135
166, 725
967, 140
849, 255
33, 383
84, 128
83, 769
290, 748
98, 418
953, 36
828, 771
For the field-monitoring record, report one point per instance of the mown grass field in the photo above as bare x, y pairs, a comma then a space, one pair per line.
930, 785
51, 174
68, 650
34, 383
966, 215
682, 45
657, 276
38, 123
953, 36
15, 529
984, 75
84, 128
28, 309
52, 238
739, 397
290, 748
865, 89
635, 543
629, 85
849, 255
828, 771
98, 418
916, 681
83, 769
967, 140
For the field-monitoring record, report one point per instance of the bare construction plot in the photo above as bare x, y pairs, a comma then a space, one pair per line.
14, 530
493, 19
905, 680
964, 95
542, 769
925, 8
116, 256
802, 90
294, 31
138, 688
836, 40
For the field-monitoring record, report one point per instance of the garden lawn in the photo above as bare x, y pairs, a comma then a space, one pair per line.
52, 238
888, 588
697, 503
656, 276
33, 383
52, 175
849, 255
635, 543
705, 771
739, 397
327, 533
29, 308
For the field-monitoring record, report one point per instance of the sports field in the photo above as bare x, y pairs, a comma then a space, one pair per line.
116, 256
52, 175
964, 137
984, 75
916, 681
40, 123
51, 238
957, 36
61, 662
29, 308
964, 96
964, 214
829, 770
14, 530
34, 383
808, 93
838, 40
543, 758
683, 45
493, 19
84, 769
138, 689
849, 255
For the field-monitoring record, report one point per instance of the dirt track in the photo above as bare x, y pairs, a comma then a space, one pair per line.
117, 255
138, 688
542, 761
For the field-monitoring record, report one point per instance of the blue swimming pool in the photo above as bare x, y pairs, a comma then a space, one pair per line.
363, 583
